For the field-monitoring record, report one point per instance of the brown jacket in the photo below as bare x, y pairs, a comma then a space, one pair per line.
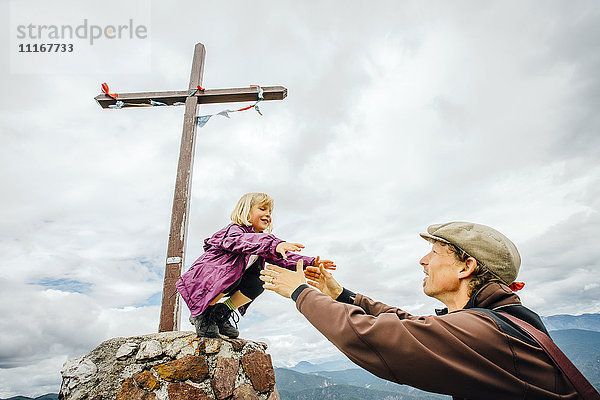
466, 353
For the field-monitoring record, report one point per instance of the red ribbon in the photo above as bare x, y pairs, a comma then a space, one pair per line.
245, 108
515, 286
106, 92
249, 107
200, 88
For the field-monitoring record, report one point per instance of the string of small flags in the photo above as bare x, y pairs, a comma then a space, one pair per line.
201, 120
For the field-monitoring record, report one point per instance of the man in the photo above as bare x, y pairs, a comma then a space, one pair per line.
469, 350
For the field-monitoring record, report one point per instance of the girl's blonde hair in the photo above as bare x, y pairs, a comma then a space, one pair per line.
241, 213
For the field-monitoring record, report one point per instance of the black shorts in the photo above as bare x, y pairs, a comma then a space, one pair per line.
249, 283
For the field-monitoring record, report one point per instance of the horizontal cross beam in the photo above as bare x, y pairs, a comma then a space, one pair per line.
207, 96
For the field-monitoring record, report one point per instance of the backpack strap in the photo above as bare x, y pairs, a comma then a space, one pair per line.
579, 382
508, 327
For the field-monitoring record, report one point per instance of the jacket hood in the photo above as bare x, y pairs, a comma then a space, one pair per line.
493, 295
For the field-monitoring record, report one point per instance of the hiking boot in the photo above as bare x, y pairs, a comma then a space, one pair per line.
220, 315
204, 324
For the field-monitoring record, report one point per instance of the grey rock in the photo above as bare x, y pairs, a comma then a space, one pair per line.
212, 345
76, 373
149, 350
181, 346
126, 350
130, 370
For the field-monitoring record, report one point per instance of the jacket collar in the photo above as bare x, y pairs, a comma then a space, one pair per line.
246, 228
490, 296
493, 295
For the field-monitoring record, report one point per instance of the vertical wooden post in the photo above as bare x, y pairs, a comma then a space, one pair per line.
170, 317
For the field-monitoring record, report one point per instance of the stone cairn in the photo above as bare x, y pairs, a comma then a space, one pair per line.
171, 366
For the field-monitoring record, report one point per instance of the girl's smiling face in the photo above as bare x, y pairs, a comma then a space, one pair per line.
260, 217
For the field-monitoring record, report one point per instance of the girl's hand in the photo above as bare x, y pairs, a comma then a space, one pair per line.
322, 279
327, 264
285, 246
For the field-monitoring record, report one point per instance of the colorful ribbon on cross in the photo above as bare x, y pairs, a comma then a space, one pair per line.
193, 92
107, 92
120, 104
201, 120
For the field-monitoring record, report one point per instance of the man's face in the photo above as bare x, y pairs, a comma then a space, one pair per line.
441, 269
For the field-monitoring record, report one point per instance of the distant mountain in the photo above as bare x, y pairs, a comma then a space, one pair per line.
18, 398
346, 392
583, 349
590, 322
305, 366
293, 385
292, 381
365, 379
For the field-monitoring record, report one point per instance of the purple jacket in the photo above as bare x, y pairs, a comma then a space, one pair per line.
226, 254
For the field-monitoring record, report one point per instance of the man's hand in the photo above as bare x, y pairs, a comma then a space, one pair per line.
322, 279
285, 246
282, 281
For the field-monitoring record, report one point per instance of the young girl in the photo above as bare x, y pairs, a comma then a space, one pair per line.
231, 264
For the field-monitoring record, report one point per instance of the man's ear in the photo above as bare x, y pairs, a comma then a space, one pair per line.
467, 269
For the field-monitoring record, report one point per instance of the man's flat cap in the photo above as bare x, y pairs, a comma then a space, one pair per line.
488, 246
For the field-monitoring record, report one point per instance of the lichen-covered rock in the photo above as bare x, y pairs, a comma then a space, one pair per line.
244, 392
182, 391
146, 380
193, 368
129, 391
237, 344
106, 382
259, 369
212, 346
182, 346
170, 366
223, 381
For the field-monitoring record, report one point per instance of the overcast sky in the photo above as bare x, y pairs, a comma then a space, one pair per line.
399, 114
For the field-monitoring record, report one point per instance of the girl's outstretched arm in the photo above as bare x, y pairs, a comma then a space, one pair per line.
292, 259
237, 239
283, 247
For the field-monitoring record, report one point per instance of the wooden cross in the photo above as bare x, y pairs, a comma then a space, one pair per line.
170, 309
